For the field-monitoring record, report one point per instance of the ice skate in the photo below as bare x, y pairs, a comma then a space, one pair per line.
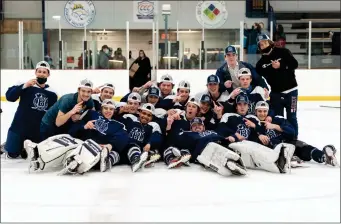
179, 161
236, 168
2, 148
296, 162
152, 158
139, 162
32, 155
329, 154
105, 163
284, 159
70, 166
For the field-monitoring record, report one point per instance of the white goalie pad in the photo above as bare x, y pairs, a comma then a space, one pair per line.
257, 156
216, 156
54, 150
86, 155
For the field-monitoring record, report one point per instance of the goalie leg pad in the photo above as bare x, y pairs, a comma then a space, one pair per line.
52, 151
216, 156
86, 155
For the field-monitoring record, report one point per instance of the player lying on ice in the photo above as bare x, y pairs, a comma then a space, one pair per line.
104, 143
209, 149
275, 139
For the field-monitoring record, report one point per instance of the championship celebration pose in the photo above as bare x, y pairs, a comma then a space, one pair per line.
228, 128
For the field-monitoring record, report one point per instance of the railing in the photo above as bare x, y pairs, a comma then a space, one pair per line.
185, 49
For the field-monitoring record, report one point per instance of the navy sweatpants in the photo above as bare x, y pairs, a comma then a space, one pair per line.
287, 101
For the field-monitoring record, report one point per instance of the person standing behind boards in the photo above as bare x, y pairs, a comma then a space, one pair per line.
143, 73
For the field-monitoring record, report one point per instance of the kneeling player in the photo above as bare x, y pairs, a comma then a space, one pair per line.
207, 148
280, 130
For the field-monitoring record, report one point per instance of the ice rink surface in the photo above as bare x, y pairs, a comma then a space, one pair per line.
188, 194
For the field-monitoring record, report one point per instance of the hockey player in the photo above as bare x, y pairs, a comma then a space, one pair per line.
153, 96
254, 93
107, 91
228, 72
280, 130
144, 137
239, 126
69, 108
177, 123
210, 115
36, 98
177, 101
131, 107
277, 66
207, 147
108, 133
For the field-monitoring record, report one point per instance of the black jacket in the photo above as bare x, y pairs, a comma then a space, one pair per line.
280, 79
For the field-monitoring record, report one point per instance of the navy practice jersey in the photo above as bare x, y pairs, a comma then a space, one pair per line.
33, 104
106, 131
210, 119
178, 126
140, 134
277, 137
195, 142
232, 123
167, 103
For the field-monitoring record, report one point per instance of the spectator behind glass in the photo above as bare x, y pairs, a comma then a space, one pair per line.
119, 61
103, 58
252, 43
131, 59
142, 75
279, 37
263, 30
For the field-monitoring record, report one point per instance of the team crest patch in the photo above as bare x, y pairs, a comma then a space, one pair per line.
40, 102
101, 125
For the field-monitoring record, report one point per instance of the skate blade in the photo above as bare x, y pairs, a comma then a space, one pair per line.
103, 164
331, 154
69, 169
141, 163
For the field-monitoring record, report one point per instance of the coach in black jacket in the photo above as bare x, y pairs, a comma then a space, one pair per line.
228, 72
277, 66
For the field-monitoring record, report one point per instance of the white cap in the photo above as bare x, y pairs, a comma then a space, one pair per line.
108, 85
193, 100
148, 107
86, 83
108, 103
262, 105
134, 97
244, 72
166, 78
184, 85
43, 64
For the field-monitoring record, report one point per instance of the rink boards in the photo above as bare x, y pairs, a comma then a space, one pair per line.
314, 85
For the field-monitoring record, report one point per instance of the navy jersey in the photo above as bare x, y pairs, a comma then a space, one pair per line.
33, 104
275, 136
167, 103
232, 123
140, 134
195, 142
106, 131
178, 126
210, 120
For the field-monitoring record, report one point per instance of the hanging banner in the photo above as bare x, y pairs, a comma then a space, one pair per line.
144, 10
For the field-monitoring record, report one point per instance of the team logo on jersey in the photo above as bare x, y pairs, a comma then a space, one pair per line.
243, 130
251, 108
271, 133
211, 14
40, 102
101, 125
137, 134
206, 133
79, 13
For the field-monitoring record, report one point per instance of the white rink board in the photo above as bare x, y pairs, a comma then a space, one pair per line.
311, 82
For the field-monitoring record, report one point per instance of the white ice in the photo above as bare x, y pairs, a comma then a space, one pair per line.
187, 194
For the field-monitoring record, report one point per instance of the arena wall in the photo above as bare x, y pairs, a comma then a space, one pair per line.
314, 85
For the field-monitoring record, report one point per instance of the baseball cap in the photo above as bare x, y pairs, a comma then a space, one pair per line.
184, 84
43, 64
197, 120
213, 79
262, 105
108, 85
108, 103
263, 37
86, 83
242, 98
154, 91
205, 98
193, 100
230, 49
134, 97
166, 78
148, 107
244, 72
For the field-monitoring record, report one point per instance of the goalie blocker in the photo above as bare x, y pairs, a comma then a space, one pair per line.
73, 154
